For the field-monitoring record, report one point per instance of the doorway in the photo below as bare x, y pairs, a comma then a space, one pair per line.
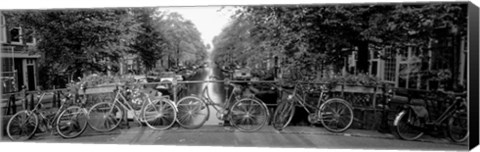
31, 77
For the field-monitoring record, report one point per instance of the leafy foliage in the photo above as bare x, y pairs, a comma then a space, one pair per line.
184, 41
77, 41
312, 39
74, 43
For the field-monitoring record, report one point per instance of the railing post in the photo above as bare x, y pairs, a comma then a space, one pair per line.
384, 128
54, 100
23, 92
25, 101
174, 90
343, 90
11, 105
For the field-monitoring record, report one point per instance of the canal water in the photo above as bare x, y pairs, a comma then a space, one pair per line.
214, 95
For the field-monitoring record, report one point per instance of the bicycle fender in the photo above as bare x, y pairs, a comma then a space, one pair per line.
343, 100
173, 103
398, 116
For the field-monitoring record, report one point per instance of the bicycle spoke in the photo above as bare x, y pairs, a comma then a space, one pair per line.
250, 106
184, 117
340, 111
242, 108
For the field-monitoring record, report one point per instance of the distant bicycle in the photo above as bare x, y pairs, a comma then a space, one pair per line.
158, 113
244, 113
410, 124
68, 122
335, 114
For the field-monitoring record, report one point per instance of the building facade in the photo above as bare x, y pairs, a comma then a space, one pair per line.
19, 65
414, 68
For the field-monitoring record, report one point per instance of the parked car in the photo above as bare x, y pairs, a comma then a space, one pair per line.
187, 73
140, 78
242, 74
167, 79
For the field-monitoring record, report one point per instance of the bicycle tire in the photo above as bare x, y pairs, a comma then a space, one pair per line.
164, 114
192, 112
22, 115
243, 110
283, 115
72, 118
338, 115
402, 121
453, 130
115, 116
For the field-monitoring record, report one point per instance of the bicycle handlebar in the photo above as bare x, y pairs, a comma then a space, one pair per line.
461, 94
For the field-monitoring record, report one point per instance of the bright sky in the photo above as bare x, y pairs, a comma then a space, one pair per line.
209, 20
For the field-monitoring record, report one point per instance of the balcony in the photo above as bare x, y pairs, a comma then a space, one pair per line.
17, 52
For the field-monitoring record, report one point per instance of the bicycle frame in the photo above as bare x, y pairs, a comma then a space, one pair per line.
48, 122
119, 95
443, 116
448, 112
302, 100
208, 101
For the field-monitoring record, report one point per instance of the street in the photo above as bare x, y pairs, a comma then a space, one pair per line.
291, 137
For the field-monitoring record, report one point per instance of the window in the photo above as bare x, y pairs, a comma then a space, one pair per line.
412, 81
374, 62
3, 31
374, 68
375, 54
7, 65
403, 76
390, 65
15, 35
30, 61
19, 35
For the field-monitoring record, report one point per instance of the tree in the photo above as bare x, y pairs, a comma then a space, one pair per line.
150, 42
74, 42
184, 41
309, 38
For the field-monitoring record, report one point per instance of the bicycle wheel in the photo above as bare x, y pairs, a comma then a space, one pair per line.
72, 122
405, 125
336, 115
248, 115
192, 112
458, 127
160, 114
104, 117
22, 125
283, 115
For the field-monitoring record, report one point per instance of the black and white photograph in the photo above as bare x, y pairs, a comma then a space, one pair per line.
378, 76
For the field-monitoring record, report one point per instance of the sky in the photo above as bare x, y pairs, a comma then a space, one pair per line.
209, 20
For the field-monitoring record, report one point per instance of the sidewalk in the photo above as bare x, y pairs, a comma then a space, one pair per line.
361, 133
307, 130
313, 132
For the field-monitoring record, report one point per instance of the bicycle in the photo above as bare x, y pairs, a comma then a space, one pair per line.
414, 120
246, 114
335, 114
67, 122
158, 113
